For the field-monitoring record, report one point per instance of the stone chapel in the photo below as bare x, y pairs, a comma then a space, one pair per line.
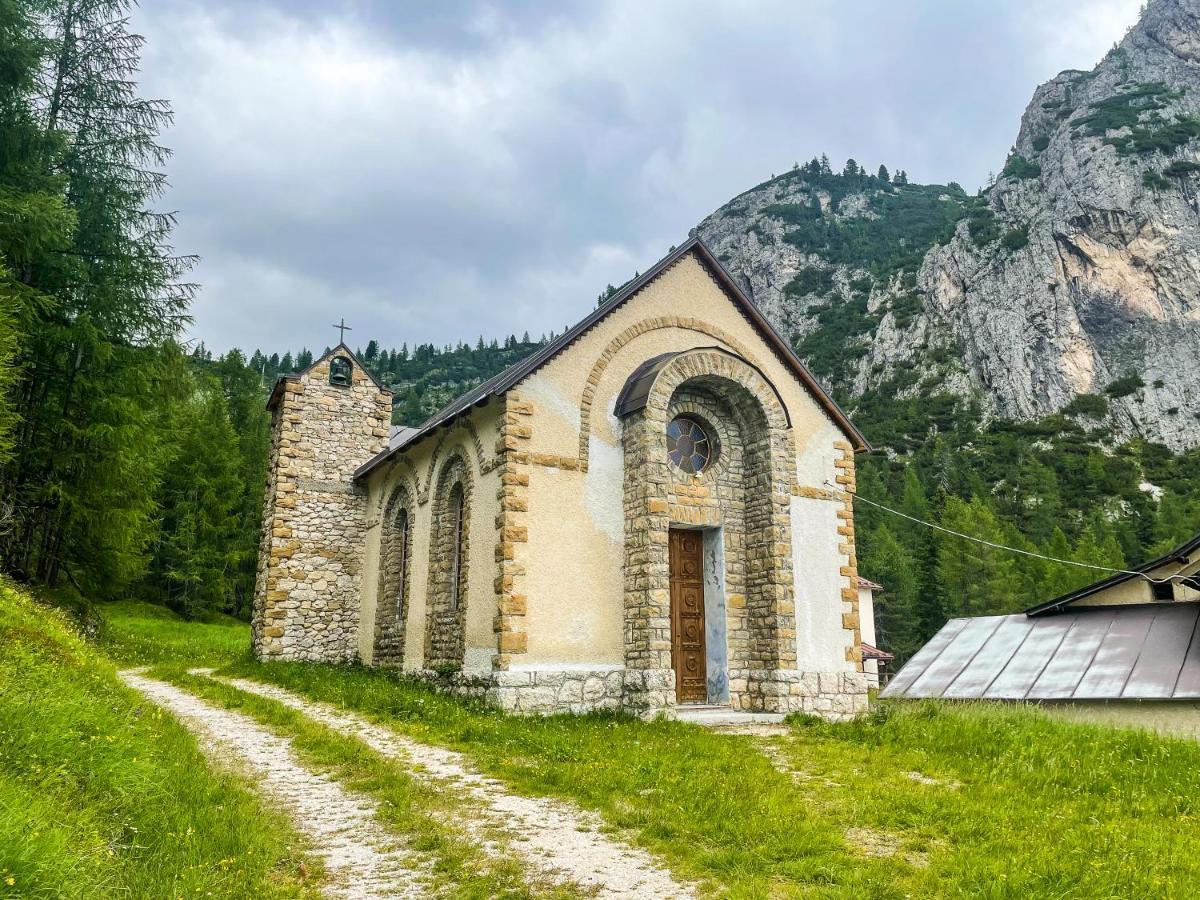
653, 510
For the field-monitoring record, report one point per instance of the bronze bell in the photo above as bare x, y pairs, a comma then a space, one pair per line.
339, 372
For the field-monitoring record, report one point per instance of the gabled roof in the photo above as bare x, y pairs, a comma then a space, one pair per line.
339, 350
513, 375
1182, 554
1143, 651
869, 584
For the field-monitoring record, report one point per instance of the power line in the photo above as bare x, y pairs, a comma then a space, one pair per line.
967, 537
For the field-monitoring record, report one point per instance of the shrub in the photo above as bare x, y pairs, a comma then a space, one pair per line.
1018, 166
1154, 181
905, 308
1181, 167
982, 226
810, 280
1125, 385
1016, 238
1041, 142
1094, 406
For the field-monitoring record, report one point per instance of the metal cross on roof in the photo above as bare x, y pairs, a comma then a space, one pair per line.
342, 328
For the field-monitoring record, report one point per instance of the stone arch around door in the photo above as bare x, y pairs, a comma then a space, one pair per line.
745, 492
395, 576
449, 554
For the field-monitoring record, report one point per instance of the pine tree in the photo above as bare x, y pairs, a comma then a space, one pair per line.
897, 621
196, 558
33, 215
97, 361
883, 175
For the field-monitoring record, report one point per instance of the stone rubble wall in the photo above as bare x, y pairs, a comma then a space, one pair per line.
306, 604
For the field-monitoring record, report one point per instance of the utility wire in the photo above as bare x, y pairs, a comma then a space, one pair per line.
859, 498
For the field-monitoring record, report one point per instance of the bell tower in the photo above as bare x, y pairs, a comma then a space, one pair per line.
326, 421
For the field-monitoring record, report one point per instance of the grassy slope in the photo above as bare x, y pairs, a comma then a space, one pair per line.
101, 795
144, 634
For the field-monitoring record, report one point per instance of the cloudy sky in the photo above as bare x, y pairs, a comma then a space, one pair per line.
434, 171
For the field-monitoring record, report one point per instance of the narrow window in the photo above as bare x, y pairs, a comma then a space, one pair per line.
402, 537
456, 535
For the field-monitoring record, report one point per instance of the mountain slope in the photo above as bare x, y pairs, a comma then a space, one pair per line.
1077, 273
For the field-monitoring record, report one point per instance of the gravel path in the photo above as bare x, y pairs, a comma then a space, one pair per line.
360, 860
553, 837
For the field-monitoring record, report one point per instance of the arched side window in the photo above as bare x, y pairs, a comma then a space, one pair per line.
401, 536
391, 609
457, 511
449, 566
340, 371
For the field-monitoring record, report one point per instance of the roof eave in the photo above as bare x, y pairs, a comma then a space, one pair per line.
515, 374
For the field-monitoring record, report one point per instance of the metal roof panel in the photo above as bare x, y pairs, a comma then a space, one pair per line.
1167, 641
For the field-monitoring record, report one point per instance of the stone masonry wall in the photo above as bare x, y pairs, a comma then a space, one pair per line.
395, 578
306, 602
448, 566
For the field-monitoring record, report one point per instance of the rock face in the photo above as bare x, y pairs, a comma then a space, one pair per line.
1077, 273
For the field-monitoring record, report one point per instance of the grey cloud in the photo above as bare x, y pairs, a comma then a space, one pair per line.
437, 171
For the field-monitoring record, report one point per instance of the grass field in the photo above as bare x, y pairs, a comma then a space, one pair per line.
914, 800
143, 634
922, 800
103, 796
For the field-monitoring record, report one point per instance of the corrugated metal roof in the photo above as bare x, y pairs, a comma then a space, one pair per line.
1142, 652
516, 373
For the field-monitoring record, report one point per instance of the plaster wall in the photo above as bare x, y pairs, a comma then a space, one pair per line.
716, 637
821, 640
573, 570
419, 467
1138, 590
866, 630
576, 541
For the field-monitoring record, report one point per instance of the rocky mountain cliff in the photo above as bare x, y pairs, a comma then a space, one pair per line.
1071, 286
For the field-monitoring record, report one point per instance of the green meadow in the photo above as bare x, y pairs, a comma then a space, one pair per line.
101, 795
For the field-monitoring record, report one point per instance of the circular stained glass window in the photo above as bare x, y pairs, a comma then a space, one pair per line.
689, 446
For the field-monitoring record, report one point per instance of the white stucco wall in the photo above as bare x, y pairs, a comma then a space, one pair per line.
573, 567
866, 630
420, 468
821, 640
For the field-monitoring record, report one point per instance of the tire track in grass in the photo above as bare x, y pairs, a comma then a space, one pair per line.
362, 860
554, 837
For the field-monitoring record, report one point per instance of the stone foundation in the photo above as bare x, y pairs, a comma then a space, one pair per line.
831, 695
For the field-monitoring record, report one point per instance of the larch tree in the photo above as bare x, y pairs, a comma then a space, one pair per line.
98, 358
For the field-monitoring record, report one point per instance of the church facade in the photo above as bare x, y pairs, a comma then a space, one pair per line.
653, 510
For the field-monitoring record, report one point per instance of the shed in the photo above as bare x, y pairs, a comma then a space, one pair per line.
1123, 650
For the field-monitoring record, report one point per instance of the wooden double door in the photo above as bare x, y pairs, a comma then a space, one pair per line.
688, 653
